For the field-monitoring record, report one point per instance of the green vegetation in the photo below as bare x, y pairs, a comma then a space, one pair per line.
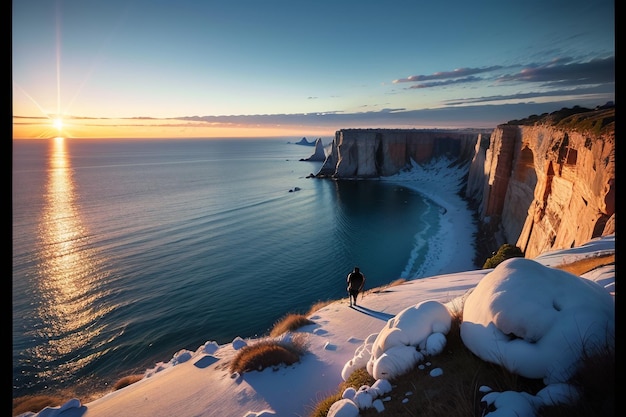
356, 380
596, 121
505, 252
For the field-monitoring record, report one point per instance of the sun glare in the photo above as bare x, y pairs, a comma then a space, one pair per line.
58, 123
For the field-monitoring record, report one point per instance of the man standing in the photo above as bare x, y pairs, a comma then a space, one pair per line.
356, 281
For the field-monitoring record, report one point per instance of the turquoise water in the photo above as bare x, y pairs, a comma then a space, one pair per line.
126, 251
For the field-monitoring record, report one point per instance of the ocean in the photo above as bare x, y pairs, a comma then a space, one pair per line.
127, 251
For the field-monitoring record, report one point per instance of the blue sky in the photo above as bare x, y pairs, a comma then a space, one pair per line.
330, 64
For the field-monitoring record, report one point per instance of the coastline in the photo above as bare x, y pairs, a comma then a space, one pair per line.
199, 383
454, 248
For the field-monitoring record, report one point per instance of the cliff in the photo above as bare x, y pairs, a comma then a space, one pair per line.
370, 153
547, 185
543, 183
319, 154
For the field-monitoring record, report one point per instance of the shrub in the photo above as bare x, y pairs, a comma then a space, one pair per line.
356, 380
289, 323
126, 381
35, 403
269, 352
505, 252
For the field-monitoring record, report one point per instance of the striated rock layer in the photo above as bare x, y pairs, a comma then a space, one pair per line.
544, 188
540, 187
370, 153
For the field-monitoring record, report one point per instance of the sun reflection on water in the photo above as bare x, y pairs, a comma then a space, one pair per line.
69, 275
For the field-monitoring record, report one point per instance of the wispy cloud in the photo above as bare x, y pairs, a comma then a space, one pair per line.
562, 72
465, 80
557, 73
444, 75
504, 93
586, 91
563, 79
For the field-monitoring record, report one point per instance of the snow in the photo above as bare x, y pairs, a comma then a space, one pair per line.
556, 316
524, 315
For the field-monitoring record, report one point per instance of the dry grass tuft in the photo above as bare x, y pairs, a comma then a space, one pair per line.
35, 403
382, 288
126, 381
289, 323
318, 306
269, 353
397, 282
588, 264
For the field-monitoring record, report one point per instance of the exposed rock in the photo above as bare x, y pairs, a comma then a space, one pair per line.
319, 154
546, 187
305, 142
541, 184
370, 153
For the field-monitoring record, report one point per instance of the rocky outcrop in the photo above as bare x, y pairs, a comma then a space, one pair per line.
370, 153
545, 187
304, 142
319, 155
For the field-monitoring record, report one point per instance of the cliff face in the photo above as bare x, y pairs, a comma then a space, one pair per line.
369, 153
319, 154
544, 187
541, 187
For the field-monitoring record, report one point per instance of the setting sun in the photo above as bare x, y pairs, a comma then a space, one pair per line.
58, 123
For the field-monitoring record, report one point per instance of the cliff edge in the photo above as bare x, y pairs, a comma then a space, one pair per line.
542, 183
371, 153
547, 182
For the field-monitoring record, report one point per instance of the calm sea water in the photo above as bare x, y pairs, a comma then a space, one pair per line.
125, 252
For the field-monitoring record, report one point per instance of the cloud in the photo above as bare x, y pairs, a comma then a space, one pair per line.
596, 71
448, 82
444, 75
558, 73
459, 113
603, 89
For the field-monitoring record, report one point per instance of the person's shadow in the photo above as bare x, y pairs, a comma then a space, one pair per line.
377, 314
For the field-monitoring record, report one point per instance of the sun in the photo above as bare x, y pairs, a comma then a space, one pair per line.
58, 123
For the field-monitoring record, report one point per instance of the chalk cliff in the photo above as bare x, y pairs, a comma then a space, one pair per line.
319, 154
370, 153
543, 183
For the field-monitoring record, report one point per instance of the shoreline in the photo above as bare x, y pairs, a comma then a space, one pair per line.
455, 247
